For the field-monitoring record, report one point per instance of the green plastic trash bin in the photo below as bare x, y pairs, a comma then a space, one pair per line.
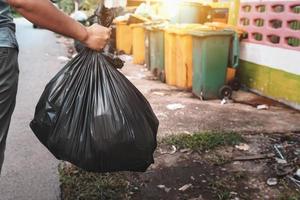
157, 52
210, 61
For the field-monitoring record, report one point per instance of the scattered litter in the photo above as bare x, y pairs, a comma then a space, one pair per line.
184, 150
174, 149
175, 106
187, 132
63, 58
277, 147
233, 193
224, 101
185, 187
297, 182
161, 186
166, 189
254, 157
280, 161
298, 173
193, 178
159, 93
243, 147
262, 107
136, 188
272, 181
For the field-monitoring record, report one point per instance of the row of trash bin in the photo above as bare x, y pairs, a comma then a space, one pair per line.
200, 58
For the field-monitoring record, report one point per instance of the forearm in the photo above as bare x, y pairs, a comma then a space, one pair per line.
43, 13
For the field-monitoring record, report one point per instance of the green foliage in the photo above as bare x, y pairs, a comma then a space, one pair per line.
204, 141
66, 5
77, 184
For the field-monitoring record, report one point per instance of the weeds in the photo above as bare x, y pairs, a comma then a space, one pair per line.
77, 184
204, 141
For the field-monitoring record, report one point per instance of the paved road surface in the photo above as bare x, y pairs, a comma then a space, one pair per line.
30, 171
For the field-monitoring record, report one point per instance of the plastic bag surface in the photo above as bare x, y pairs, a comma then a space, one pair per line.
92, 116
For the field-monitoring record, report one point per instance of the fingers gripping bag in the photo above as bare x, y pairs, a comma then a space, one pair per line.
92, 116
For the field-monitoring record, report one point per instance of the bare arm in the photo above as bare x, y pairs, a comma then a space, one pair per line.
43, 13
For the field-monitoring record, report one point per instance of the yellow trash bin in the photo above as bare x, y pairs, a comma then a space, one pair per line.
184, 64
179, 55
138, 43
124, 37
170, 57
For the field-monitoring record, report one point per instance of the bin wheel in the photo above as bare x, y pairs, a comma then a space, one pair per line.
225, 92
162, 76
235, 84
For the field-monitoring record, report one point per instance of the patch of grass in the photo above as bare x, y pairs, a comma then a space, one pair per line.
204, 141
221, 190
77, 184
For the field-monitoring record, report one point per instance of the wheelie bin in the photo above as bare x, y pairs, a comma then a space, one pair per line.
124, 37
210, 60
157, 51
178, 54
138, 43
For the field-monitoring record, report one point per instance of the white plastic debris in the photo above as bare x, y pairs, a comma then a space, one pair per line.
184, 150
185, 187
298, 173
272, 181
262, 107
163, 187
79, 16
175, 106
174, 149
281, 161
242, 147
224, 101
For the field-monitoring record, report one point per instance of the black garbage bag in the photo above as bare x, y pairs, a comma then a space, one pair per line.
92, 116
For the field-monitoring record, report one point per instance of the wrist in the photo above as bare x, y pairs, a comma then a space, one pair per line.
83, 36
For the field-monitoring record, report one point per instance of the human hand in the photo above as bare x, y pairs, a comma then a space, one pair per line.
97, 37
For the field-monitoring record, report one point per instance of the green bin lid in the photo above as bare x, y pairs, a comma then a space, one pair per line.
201, 33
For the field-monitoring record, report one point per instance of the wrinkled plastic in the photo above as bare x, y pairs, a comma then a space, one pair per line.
92, 116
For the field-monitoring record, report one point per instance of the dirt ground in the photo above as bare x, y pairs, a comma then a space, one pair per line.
220, 174
215, 174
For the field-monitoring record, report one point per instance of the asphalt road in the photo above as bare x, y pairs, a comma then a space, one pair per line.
30, 171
